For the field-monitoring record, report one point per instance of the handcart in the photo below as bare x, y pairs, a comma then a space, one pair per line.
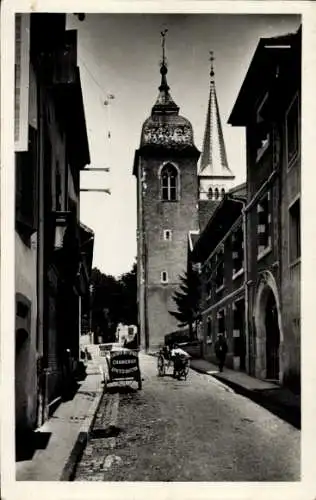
123, 366
176, 359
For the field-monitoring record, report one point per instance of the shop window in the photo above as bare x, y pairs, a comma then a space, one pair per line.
295, 231
292, 131
209, 330
221, 321
264, 224
169, 183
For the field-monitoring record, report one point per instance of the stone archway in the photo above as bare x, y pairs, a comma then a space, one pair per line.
269, 332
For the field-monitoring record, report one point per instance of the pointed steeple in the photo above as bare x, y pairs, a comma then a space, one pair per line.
164, 104
213, 162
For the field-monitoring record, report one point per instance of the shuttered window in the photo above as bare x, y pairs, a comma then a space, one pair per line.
26, 180
219, 277
264, 223
22, 72
238, 250
292, 131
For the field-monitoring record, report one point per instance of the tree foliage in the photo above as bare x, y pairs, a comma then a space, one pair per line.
113, 301
187, 300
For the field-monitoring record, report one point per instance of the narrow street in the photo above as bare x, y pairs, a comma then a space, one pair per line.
194, 430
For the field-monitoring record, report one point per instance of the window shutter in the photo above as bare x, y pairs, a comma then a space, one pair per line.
22, 68
26, 184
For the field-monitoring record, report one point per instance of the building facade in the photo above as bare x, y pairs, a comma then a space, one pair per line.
220, 254
268, 105
165, 167
51, 255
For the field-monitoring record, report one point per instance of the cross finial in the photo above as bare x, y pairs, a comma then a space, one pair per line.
163, 42
212, 59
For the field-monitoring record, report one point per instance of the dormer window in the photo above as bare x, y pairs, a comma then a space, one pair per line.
169, 183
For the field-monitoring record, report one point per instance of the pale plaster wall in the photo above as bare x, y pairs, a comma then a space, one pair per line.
26, 378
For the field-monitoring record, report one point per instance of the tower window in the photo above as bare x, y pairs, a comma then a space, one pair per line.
264, 225
210, 194
169, 183
167, 235
164, 277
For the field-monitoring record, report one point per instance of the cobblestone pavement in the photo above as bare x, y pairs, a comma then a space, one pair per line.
193, 430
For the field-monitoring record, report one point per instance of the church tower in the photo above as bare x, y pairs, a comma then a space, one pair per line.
214, 177
165, 167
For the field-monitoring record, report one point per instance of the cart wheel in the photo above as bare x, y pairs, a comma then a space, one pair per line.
161, 366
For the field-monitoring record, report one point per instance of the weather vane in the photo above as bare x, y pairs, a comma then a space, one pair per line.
163, 43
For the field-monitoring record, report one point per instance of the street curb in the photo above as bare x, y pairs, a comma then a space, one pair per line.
69, 469
289, 413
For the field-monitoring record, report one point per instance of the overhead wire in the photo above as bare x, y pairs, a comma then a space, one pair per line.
105, 99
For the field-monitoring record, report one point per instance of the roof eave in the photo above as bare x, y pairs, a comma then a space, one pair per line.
238, 115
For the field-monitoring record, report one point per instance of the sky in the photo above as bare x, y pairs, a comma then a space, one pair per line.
118, 56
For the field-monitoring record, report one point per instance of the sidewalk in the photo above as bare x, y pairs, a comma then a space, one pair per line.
279, 400
61, 439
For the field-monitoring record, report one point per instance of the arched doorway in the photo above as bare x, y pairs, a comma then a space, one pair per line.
269, 335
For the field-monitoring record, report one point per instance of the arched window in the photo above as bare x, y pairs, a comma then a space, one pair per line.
169, 183
216, 193
223, 192
210, 193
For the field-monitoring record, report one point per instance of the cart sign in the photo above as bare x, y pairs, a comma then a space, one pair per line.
124, 364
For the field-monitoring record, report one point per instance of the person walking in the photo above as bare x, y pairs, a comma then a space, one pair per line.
221, 349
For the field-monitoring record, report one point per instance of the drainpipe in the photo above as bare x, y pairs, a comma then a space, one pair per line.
40, 285
141, 259
244, 225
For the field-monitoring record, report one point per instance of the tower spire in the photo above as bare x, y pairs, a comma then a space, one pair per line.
163, 65
213, 159
164, 103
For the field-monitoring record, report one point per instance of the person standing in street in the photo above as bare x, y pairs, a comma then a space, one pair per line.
221, 349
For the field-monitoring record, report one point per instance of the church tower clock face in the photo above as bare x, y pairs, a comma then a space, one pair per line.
167, 189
